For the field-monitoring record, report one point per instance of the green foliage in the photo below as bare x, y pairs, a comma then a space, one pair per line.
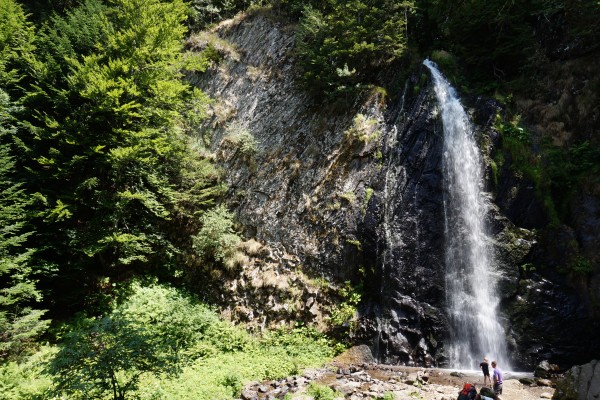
343, 314
363, 129
557, 172
26, 379
498, 40
356, 243
350, 197
21, 320
243, 140
16, 44
490, 36
160, 343
108, 355
517, 144
118, 185
568, 169
343, 44
580, 266
207, 12
147, 334
320, 392
527, 268
217, 239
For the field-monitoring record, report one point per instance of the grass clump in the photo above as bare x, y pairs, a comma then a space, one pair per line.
320, 392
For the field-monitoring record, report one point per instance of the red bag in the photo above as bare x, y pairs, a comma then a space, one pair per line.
468, 392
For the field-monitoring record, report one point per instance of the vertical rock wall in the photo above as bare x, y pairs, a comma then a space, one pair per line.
355, 193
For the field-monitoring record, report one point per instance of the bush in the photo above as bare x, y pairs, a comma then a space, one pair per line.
216, 239
161, 343
243, 139
320, 392
26, 379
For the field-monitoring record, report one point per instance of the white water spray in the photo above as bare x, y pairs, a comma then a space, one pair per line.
471, 273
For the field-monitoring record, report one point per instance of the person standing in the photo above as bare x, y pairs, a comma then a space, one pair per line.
485, 368
497, 377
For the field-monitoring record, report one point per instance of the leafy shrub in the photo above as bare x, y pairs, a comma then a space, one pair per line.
216, 239
363, 129
320, 392
343, 314
234, 382
26, 379
161, 343
243, 139
350, 197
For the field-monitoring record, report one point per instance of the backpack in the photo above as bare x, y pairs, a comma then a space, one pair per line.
487, 392
468, 392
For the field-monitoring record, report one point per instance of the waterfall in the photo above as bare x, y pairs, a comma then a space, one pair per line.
471, 272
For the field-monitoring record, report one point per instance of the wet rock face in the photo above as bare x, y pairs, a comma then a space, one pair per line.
357, 195
548, 321
336, 188
407, 295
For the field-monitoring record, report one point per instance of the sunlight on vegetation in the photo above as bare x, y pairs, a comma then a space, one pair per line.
109, 179
161, 344
363, 129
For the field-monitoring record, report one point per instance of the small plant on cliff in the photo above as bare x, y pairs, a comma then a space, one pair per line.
217, 239
517, 142
580, 265
243, 139
356, 243
368, 194
350, 197
363, 129
343, 315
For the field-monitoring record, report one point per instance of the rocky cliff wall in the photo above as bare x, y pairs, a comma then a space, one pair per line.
355, 193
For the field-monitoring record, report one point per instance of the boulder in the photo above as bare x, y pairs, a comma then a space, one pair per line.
581, 382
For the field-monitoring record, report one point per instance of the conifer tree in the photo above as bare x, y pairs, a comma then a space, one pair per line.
104, 146
20, 322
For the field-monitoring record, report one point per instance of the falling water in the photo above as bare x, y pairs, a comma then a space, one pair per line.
470, 269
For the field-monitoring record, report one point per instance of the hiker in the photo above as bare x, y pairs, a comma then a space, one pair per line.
485, 368
497, 377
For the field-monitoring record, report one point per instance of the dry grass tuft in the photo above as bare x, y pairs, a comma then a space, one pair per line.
236, 261
251, 247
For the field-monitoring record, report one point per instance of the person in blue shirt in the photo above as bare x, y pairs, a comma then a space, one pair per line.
497, 378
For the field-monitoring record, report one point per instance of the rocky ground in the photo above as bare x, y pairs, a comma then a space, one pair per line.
354, 381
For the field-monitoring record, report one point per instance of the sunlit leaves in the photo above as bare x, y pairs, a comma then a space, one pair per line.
104, 139
350, 36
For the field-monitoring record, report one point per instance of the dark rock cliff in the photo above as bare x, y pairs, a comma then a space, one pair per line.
357, 195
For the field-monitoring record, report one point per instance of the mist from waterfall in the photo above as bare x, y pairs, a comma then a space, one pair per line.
471, 272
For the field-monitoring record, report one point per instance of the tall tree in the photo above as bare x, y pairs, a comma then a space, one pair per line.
105, 149
20, 322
